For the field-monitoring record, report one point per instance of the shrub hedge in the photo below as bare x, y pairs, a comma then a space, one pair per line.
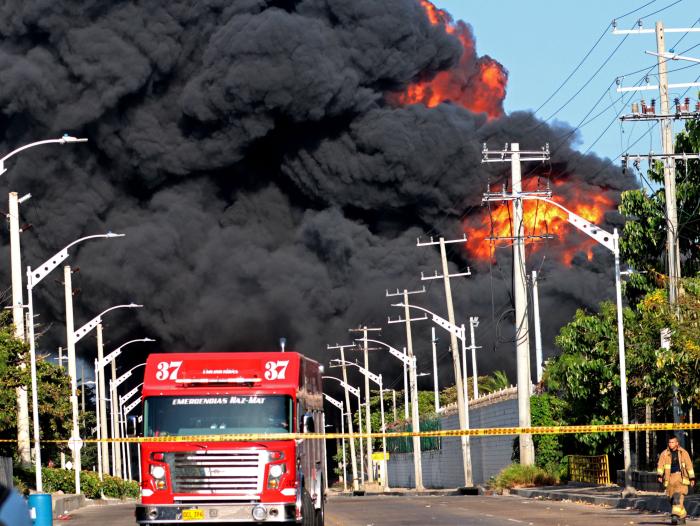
56, 479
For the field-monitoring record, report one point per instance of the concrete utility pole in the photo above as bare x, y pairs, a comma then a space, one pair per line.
406, 402
522, 334
23, 441
70, 340
666, 118
116, 449
538, 330
339, 405
415, 416
473, 324
346, 386
436, 388
460, 371
368, 419
102, 401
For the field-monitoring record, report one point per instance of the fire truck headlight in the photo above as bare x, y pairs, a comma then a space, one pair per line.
276, 470
157, 472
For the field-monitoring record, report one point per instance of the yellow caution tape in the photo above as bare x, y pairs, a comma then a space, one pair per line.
490, 431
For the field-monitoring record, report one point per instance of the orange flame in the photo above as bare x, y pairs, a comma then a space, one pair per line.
541, 219
476, 83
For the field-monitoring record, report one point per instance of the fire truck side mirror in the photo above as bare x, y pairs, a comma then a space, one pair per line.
309, 426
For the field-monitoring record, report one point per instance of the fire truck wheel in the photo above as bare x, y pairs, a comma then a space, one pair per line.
307, 510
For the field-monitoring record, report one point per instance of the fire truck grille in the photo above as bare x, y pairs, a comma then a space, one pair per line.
216, 473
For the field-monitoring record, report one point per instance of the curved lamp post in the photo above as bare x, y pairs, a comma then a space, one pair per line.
377, 379
63, 140
73, 337
33, 278
612, 243
101, 363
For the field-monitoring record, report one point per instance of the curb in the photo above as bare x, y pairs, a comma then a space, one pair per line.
653, 503
398, 493
64, 504
67, 503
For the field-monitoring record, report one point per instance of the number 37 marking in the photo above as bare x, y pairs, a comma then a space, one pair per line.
276, 370
168, 370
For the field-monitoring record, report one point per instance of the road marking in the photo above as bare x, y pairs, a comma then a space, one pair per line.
516, 520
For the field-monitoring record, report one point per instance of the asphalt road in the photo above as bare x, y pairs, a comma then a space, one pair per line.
421, 511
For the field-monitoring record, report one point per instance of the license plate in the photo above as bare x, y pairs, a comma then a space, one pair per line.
192, 515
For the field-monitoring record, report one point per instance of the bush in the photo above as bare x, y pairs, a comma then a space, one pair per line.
519, 476
120, 488
56, 479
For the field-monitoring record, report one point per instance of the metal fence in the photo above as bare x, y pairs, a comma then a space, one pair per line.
593, 470
405, 444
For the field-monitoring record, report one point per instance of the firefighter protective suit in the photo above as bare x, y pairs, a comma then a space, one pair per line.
676, 478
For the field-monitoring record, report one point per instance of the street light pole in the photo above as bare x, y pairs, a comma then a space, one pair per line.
377, 379
353, 458
33, 278
458, 333
74, 336
101, 363
339, 405
612, 243
23, 442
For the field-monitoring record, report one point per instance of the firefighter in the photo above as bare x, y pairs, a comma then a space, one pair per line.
675, 470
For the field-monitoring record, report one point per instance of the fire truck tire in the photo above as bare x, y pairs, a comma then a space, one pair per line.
308, 513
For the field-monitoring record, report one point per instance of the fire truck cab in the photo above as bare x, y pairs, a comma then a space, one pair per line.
210, 481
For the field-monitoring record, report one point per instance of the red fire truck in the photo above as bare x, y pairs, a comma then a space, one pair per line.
257, 481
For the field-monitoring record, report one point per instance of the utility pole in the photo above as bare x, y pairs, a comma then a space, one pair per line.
436, 388
70, 340
368, 420
353, 454
102, 400
460, 380
23, 441
522, 335
538, 331
116, 449
666, 118
473, 324
415, 416
406, 402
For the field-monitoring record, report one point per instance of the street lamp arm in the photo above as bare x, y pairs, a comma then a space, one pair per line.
82, 331
116, 352
438, 320
592, 230
40, 272
63, 140
375, 378
393, 351
123, 378
128, 396
354, 390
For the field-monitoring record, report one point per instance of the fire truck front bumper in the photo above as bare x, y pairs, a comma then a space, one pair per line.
256, 513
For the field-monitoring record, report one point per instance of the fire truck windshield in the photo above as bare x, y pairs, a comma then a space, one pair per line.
217, 415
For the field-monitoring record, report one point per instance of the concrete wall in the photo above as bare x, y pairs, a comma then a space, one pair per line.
443, 468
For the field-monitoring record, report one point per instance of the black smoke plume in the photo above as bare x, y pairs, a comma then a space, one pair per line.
266, 186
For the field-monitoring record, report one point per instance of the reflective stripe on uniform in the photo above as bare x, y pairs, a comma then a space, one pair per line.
691, 473
660, 471
667, 466
686, 481
677, 510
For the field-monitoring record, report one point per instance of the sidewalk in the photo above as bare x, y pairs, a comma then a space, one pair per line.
609, 496
374, 490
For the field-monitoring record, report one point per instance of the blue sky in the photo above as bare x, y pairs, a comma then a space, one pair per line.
541, 41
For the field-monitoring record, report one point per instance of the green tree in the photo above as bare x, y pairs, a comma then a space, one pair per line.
53, 394
644, 236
